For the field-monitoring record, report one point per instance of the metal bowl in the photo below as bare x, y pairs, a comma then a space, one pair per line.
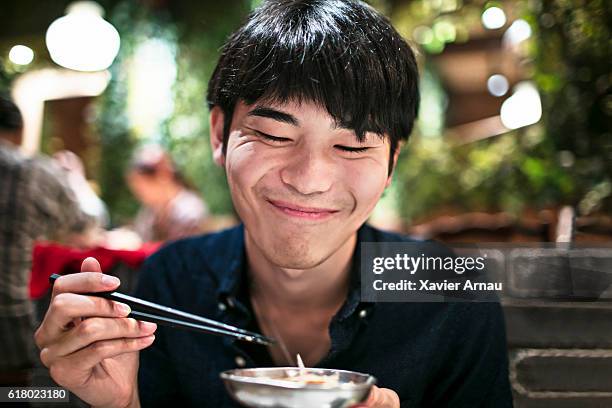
265, 388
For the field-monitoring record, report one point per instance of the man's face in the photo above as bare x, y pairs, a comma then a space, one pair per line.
301, 185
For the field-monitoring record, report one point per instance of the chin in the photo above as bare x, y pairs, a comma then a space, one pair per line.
293, 255
298, 264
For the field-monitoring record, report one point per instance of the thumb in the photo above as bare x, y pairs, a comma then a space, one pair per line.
381, 398
91, 265
369, 401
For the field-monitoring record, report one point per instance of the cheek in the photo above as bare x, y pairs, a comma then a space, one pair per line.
246, 164
148, 191
366, 181
138, 187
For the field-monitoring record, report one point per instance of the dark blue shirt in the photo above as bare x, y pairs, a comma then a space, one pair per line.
430, 354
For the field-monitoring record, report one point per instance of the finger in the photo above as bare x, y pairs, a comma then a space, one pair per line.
84, 282
90, 264
380, 398
73, 369
65, 307
369, 401
383, 398
98, 329
373, 397
92, 355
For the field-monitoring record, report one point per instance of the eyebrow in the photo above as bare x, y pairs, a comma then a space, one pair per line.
271, 113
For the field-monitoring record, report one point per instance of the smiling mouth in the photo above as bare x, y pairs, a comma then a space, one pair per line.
309, 213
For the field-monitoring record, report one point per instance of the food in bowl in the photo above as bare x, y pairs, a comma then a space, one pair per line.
308, 377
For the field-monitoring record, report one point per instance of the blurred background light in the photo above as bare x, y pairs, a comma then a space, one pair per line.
448, 6
21, 55
566, 158
497, 85
519, 31
523, 108
82, 40
153, 62
445, 31
423, 35
32, 89
493, 18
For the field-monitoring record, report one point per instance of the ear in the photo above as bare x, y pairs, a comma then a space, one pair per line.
216, 120
395, 157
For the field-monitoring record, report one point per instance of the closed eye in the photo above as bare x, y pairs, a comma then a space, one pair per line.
274, 139
351, 149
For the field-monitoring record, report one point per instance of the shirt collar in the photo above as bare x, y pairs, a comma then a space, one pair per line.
228, 260
229, 265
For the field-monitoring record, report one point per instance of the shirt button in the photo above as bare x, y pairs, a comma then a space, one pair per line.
363, 313
222, 306
240, 361
230, 301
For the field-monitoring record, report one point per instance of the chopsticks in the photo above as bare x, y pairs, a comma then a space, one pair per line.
167, 316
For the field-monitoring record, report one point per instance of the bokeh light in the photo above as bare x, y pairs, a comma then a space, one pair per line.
21, 55
519, 31
497, 85
493, 18
82, 40
523, 108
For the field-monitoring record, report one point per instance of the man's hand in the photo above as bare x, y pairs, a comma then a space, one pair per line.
88, 344
380, 398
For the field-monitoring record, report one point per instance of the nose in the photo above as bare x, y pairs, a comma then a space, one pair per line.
308, 173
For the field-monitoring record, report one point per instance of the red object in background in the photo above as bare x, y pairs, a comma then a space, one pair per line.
49, 258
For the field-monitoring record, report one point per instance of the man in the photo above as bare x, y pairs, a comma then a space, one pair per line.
309, 103
36, 202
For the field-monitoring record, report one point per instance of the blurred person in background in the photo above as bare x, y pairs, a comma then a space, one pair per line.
36, 202
86, 196
170, 208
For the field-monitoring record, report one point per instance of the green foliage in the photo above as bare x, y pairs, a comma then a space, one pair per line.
498, 174
565, 159
185, 132
116, 141
5, 80
573, 65
187, 135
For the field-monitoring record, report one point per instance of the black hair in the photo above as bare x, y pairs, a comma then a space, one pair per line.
10, 117
340, 54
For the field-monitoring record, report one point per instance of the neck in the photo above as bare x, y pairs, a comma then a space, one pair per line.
322, 286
